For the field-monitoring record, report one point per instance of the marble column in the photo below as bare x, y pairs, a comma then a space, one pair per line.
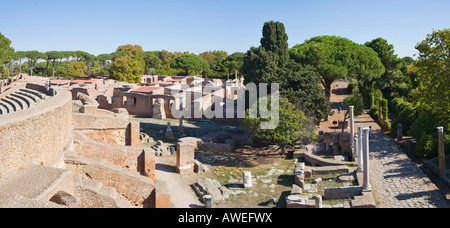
366, 184
208, 201
360, 156
318, 201
352, 125
442, 168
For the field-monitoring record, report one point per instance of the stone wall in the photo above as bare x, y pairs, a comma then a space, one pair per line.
135, 159
36, 135
107, 129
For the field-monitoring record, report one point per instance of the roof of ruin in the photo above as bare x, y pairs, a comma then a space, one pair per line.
86, 81
145, 89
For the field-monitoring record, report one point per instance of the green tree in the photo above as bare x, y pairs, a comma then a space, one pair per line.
166, 57
392, 79
53, 56
134, 51
6, 51
336, 57
291, 121
190, 64
75, 69
18, 56
126, 69
152, 62
433, 68
232, 63
213, 57
271, 63
33, 57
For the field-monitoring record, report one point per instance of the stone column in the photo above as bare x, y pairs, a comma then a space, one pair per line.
360, 156
352, 125
441, 150
318, 201
399, 132
247, 179
208, 201
366, 184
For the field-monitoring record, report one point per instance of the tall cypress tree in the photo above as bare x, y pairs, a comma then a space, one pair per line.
271, 63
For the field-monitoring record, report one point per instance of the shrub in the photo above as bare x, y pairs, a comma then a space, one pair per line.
387, 124
374, 112
352, 86
406, 117
395, 104
357, 102
385, 110
427, 146
424, 124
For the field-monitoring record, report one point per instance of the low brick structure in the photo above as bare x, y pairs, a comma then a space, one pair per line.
186, 154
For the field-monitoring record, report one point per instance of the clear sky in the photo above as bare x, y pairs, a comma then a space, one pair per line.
100, 26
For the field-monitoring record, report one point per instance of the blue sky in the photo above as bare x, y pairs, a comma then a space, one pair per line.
100, 26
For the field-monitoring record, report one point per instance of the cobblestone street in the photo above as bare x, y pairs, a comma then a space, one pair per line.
397, 182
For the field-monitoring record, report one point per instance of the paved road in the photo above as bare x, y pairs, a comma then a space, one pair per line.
397, 181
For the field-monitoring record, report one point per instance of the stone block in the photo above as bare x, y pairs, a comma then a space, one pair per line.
247, 179
186, 154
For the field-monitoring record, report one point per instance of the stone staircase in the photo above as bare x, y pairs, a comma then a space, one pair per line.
21, 99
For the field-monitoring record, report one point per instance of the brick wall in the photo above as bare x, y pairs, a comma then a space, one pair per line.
36, 135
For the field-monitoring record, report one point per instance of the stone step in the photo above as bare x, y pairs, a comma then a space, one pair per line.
15, 106
7, 107
26, 99
33, 97
3, 110
39, 94
23, 105
35, 182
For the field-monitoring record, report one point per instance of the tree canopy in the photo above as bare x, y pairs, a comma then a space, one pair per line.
271, 63
126, 69
190, 64
290, 122
6, 51
433, 68
336, 57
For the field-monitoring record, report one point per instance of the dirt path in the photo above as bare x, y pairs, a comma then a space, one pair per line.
181, 193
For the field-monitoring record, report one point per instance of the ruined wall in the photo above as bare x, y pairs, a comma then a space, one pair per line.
107, 129
36, 135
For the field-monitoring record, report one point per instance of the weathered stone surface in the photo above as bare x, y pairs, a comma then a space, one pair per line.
185, 154
169, 133
206, 187
199, 167
247, 179
158, 109
64, 198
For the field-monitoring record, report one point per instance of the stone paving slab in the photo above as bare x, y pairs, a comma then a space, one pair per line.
397, 181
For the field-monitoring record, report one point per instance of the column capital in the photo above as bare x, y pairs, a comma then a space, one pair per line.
440, 129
